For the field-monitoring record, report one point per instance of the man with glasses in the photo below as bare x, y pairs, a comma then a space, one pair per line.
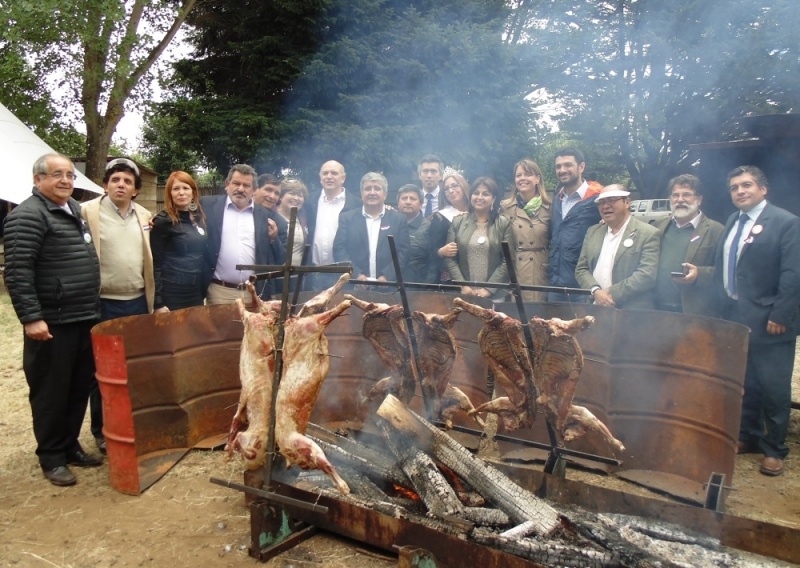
53, 278
121, 232
619, 257
685, 281
239, 233
429, 170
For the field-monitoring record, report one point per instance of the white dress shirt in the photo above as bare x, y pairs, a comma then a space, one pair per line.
237, 245
373, 232
750, 222
325, 226
605, 262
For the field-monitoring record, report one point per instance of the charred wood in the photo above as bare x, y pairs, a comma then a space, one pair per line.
354, 454
519, 504
520, 531
487, 517
430, 484
548, 553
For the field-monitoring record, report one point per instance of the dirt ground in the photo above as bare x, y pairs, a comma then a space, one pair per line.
184, 520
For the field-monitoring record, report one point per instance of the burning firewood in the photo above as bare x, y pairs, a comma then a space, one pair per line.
430, 484
520, 505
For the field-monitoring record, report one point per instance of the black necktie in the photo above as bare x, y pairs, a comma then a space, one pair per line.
428, 204
734, 250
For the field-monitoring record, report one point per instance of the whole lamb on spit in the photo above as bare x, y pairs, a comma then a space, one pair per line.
385, 328
555, 367
306, 362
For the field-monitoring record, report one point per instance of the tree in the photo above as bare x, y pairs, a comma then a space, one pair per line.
374, 84
96, 52
655, 77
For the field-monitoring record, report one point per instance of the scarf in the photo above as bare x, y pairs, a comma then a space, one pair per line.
532, 206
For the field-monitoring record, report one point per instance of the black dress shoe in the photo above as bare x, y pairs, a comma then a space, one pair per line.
82, 459
101, 444
60, 476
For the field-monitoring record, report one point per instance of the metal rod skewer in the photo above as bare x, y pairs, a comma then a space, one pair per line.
412, 337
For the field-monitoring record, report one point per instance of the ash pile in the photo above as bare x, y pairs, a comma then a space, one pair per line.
427, 477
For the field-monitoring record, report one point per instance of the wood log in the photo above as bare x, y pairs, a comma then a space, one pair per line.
519, 504
338, 456
519, 531
380, 466
486, 517
429, 483
548, 553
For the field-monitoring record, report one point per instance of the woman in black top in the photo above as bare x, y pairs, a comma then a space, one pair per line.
178, 242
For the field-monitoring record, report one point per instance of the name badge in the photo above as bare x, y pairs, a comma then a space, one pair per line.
627, 243
757, 229
481, 240
384, 227
87, 238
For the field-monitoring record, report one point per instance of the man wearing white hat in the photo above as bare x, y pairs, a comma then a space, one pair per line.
619, 257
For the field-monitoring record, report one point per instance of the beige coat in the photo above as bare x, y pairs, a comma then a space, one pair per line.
90, 212
532, 244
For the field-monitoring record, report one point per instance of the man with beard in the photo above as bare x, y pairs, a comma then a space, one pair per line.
685, 281
429, 170
573, 212
619, 257
239, 233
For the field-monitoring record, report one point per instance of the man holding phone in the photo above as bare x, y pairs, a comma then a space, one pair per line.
685, 281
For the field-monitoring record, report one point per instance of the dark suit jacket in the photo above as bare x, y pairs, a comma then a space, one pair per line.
633, 276
701, 297
352, 242
266, 252
311, 205
767, 276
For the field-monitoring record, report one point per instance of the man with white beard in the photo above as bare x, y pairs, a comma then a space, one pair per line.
685, 281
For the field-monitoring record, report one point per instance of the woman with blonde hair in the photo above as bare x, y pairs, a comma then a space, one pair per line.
528, 209
178, 241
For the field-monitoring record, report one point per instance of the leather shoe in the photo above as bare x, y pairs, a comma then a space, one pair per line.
101, 444
771, 466
82, 459
60, 476
747, 448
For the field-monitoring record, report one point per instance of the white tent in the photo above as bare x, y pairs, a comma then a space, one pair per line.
19, 149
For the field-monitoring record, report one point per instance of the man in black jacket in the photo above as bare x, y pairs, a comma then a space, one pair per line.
758, 275
53, 277
362, 236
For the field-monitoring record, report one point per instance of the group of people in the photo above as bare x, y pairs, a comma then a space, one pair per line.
69, 266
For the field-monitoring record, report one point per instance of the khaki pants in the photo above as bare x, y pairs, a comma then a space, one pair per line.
217, 294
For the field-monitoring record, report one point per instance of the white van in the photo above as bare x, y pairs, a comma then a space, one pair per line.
650, 210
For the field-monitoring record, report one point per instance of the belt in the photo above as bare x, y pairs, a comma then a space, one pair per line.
228, 284
531, 249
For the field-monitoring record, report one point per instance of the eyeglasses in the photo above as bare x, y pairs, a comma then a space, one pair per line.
60, 175
601, 202
452, 187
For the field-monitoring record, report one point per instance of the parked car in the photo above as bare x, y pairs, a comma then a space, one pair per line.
650, 210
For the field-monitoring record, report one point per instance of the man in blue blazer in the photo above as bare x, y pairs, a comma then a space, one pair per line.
759, 278
239, 232
362, 236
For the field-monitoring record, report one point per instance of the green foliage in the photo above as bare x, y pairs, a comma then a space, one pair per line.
651, 78
374, 84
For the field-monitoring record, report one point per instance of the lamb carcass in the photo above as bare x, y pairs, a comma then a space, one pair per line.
256, 373
501, 343
558, 362
384, 328
306, 363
